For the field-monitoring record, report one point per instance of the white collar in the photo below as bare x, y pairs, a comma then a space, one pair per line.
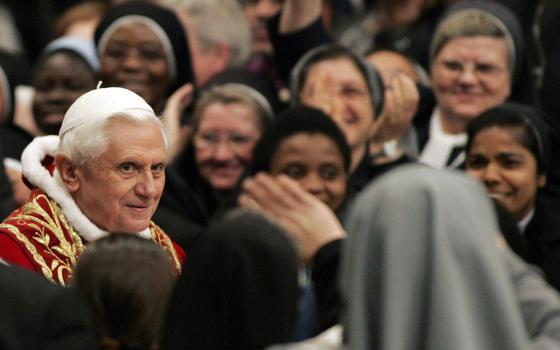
55, 188
522, 224
440, 144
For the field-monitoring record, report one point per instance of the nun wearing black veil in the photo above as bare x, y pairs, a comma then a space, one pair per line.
239, 290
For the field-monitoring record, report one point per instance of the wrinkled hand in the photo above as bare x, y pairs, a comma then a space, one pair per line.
322, 94
307, 219
171, 118
401, 104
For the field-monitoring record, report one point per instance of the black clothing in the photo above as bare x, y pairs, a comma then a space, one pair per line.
289, 48
243, 76
187, 175
542, 236
510, 230
539, 21
180, 212
239, 289
324, 276
16, 69
364, 173
14, 140
37, 314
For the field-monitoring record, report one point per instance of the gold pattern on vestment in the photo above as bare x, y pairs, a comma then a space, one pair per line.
52, 242
48, 221
31, 248
163, 240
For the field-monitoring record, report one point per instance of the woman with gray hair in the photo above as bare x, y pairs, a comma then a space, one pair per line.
227, 121
477, 60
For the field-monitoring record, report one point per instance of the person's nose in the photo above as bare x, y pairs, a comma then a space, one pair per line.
132, 60
146, 185
313, 184
57, 94
223, 151
491, 175
468, 76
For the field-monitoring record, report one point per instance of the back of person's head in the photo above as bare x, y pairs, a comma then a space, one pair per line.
127, 281
244, 76
14, 71
423, 246
218, 22
238, 291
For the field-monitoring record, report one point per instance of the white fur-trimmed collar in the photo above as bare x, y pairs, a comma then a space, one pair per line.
53, 186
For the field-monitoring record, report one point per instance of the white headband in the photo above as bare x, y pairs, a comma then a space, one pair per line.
153, 26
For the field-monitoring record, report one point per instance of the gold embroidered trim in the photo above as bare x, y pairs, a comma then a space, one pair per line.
163, 240
31, 248
64, 255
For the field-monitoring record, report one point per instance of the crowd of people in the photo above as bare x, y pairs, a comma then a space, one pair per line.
281, 174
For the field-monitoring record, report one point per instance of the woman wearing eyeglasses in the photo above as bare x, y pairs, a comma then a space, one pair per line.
477, 61
227, 122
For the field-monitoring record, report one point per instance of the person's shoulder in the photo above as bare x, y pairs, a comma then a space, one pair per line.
24, 299
38, 314
16, 280
31, 235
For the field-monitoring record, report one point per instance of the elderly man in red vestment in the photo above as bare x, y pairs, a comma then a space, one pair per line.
104, 173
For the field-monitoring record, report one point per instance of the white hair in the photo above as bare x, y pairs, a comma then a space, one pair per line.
88, 141
218, 22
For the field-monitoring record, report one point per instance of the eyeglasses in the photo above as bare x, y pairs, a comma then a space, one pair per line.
481, 70
234, 141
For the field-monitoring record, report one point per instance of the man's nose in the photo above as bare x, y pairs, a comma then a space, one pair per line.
146, 185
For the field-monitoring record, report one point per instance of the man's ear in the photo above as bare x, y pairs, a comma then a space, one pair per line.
67, 172
221, 57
